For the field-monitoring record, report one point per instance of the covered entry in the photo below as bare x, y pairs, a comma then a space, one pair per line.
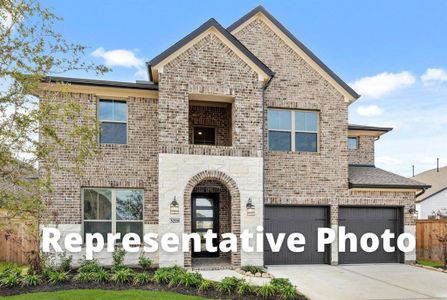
360, 220
290, 219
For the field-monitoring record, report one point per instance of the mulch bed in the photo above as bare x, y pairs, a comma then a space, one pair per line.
112, 286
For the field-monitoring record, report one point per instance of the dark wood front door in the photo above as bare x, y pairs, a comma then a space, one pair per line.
205, 216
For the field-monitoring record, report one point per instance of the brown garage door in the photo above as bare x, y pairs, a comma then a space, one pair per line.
361, 220
290, 219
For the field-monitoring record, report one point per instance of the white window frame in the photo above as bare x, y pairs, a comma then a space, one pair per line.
112, 121
113, 208
293, 131
356, 144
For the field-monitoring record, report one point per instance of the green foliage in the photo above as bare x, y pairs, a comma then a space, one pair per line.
89, 266
31, 280
280, 282
55, 277
288, 292
99, 275
123, 275
166, 275
142, 278
10, 280
65, 263
267, 290
245, 288
206, 285
253, 269
144, 262
83, 277
191, 279
229, 285
118, 259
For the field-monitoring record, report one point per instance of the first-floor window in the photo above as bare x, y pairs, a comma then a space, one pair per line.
113, 211
353, 143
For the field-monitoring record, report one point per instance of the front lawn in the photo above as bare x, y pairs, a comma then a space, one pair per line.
430, 263
102, 295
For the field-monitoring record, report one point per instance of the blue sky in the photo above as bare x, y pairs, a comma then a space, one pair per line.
394, 53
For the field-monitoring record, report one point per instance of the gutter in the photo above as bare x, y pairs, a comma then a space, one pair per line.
264, 88
421, 192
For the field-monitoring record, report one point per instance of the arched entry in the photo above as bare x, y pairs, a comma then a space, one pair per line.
222, 185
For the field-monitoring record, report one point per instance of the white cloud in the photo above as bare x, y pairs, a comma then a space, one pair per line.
388, 160
382, 84
369, 111
119, 58
141, 74
433, 75
5, 19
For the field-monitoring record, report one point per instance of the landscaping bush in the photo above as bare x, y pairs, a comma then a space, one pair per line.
245, 288
253, 269
31, 280
144, 262
142, 278
65, 263
118, 259
267, 290
10, 280
285, 290
123, 275
54, 277
229, 284
89, 266
205, 285
191, 279
165, 275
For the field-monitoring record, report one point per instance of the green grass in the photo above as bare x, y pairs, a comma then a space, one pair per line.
102, 295
430, 263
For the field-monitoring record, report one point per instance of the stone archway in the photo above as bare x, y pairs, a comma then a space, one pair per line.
233, 190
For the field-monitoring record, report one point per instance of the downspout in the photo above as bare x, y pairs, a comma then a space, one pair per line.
264, 88
421, 192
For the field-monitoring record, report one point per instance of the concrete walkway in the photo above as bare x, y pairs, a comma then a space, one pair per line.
372, 281
218, 275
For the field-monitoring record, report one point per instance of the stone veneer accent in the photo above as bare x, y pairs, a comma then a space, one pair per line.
364, 155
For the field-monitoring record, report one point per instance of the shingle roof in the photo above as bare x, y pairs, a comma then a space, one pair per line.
261, 9
368, 176
95, 82
437, 180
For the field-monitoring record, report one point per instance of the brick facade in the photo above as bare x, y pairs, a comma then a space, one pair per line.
364, 154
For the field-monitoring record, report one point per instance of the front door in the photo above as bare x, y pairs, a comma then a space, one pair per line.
205, 209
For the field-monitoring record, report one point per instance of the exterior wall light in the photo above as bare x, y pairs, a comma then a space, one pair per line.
174, 207
250, 208
412, 210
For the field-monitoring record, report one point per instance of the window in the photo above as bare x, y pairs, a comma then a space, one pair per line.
204, 135
113, 121
353, 143
291, 130
113, 211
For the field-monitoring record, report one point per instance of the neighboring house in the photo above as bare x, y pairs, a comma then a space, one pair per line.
434, 200
240, 127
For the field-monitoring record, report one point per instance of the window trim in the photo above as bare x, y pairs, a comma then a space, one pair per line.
204, 126
113, 209
292, 130
112, 121
357, 144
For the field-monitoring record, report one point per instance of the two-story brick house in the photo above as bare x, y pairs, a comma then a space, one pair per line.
237, 128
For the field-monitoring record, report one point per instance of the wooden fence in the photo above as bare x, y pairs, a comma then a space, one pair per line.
427, 245
15, 241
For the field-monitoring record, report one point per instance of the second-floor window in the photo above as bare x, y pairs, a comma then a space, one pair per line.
293, 130
112, 116
353, 143
204, 135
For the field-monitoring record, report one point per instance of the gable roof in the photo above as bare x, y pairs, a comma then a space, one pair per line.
306, 51
211, 23
437, 180
365, 130
368, 176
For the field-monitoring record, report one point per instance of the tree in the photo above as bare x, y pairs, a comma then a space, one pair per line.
442, 239
30, 50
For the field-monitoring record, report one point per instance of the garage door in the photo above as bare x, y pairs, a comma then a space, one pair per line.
360, 220
290, 219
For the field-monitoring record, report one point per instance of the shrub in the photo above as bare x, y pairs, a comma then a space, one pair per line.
245, 288
142, 278
267, 290
253, 269
144, 262
89, 266
54, 277
191, 279
100, 276
165, 275
30, 280
123, 275
65, 263
288, 292
83, 277
205, 285
280, 282
229, 284
118, 259
10, 280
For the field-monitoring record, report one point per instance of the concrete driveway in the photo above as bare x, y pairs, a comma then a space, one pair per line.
372, 281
